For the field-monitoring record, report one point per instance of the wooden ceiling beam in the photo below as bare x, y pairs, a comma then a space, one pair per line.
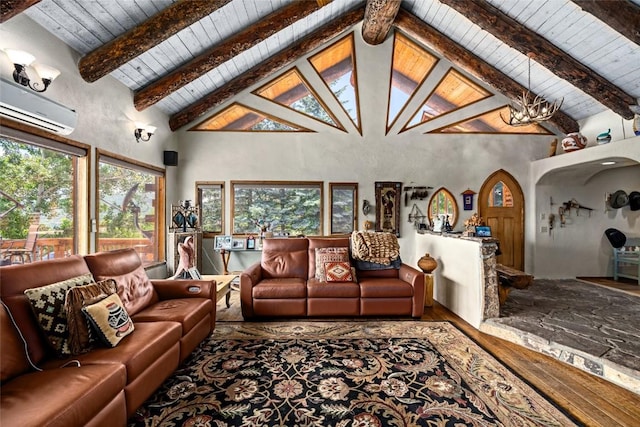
219, 54
266, 68
141, 38
471, 64
10, 8
622, 16
378, 19
519, 37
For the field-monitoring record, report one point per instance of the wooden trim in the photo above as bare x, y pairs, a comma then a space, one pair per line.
222, 52
152, 32
560, 63
449, 195
378, 19
266, 68
472, 64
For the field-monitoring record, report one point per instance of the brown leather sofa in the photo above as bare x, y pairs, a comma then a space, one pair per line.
105, 385
283, 284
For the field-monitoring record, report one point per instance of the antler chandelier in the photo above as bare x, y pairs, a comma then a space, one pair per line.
529, 109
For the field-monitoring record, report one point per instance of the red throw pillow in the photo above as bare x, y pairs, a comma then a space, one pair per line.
324, 255
338, 271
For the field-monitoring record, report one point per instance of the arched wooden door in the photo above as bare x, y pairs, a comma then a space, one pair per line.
501, 205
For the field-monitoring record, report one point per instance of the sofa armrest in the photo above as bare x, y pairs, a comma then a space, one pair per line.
415, 278
173, 289
250, 277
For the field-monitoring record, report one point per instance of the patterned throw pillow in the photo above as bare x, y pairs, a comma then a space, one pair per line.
47, 303
325, 255
109, 319
338, 271
81, 336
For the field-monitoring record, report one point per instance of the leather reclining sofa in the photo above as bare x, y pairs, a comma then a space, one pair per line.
104, 386
284, 284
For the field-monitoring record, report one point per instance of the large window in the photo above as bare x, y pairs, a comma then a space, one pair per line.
130, 207
288, 208
210, 198
43, 197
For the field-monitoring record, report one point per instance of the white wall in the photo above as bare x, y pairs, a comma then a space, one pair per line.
457, 162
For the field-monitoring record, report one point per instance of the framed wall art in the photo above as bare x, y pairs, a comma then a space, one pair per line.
388, 206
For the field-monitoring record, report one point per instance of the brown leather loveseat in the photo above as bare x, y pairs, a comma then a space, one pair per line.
284, 284
103, 386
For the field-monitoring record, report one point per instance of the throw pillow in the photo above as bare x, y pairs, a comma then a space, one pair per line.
47, 303
109, 319
338, 272
324, 255
81, 336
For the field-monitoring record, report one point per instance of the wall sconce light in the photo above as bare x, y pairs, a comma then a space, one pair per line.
21, 60
143, 132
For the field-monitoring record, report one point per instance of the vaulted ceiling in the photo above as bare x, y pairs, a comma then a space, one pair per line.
188, 56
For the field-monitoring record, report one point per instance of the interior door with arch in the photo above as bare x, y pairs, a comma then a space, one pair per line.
501, 205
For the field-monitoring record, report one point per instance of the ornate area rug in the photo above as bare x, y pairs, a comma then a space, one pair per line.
387, 373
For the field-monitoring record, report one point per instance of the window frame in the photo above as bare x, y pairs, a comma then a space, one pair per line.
315, 184
160, 207
25, 134
201, 185
449, 196
353, 186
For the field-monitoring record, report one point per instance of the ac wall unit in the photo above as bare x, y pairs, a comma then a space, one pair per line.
22, 104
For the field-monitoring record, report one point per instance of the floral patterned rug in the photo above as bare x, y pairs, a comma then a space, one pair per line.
386, 373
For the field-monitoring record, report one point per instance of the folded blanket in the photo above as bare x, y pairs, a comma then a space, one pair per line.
381, 248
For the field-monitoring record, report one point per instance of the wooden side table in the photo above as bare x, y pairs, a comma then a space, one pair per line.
223, 285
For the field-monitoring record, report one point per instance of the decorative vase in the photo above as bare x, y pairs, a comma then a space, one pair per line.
636, 124
427, 264
574, 141
604, 137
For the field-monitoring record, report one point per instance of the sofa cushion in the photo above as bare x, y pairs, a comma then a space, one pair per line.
125, 267
338, 271
325, 256
317, 289
323, 242
109, 319
14, 359
280, 288
384, 288
81, 336
47, 303
69, 396
186, 311
283, 258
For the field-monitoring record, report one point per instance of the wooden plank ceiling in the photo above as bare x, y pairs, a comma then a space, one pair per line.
188, 56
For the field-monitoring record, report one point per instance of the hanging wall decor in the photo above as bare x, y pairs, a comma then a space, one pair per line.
388, 206
467, 199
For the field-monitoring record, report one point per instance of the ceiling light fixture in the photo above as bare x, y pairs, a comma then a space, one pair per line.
143, 132
21, 60
529, 109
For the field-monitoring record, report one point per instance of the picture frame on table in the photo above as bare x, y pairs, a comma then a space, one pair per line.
483, 231
194, 273
222, 242
238, 244
251, 242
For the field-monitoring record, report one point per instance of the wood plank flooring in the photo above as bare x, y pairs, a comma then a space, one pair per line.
591, 400
629, 286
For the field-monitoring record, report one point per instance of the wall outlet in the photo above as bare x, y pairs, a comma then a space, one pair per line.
544, 229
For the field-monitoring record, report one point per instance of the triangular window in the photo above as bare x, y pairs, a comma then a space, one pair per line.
238, 117
491, 122
410, 66
336, 65
293, 91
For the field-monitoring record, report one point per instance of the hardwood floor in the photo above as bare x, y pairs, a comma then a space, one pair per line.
629, 286
591, 400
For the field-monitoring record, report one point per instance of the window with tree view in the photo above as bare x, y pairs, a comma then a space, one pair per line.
39, 199
287, 208
131, 211
210, 198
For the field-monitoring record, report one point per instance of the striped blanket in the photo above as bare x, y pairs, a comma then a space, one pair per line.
381, 248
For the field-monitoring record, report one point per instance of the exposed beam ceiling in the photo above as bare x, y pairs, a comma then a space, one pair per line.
276, 62
471, 64
219, 54
378, 20
10, 8
141, 38
623, 16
